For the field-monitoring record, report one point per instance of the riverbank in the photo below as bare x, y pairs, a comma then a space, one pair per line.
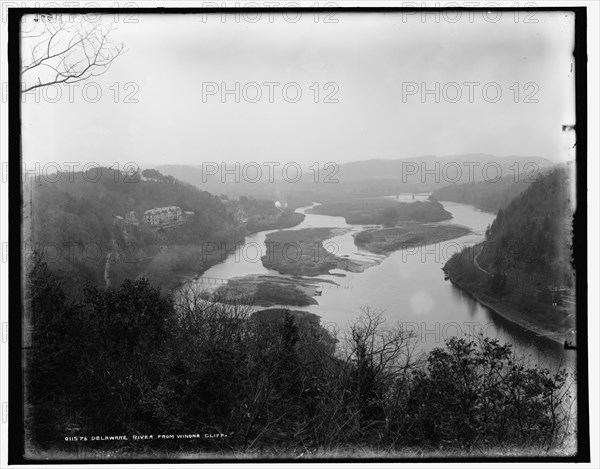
508, 311
212, 257
285, 220
387, 240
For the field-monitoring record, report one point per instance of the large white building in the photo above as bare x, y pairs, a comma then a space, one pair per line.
164, 217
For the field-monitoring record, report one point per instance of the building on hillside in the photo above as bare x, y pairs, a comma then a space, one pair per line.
187, 215
131, 218
164, 217
118, 221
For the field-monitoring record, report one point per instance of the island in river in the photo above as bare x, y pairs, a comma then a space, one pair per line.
387, 240
299, 256
301, 252
270, 290
378, 211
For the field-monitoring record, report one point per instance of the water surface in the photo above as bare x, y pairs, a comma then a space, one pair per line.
408, 286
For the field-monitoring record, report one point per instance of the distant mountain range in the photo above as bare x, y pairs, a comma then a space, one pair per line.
425, 168
373, 177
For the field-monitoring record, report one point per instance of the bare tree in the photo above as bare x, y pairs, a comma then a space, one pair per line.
375, 361
64, 49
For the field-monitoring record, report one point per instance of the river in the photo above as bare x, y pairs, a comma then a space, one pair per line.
408, 286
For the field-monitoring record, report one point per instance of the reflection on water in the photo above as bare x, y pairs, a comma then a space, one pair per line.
408, 286
465, 300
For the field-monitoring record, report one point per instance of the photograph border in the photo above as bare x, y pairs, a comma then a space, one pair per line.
16, 300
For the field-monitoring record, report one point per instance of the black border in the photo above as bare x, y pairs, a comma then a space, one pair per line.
16, 415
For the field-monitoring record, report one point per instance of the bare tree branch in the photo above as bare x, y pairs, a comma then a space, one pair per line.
74, 49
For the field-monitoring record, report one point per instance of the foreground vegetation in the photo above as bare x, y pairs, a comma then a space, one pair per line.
132, 361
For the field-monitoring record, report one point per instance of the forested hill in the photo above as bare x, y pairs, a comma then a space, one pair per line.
83, 205
485, 195
524, 265
533, 234
74, 226
76, 229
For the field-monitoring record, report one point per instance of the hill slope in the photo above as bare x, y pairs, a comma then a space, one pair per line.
483, 195
491, 195
523, 269
75, 229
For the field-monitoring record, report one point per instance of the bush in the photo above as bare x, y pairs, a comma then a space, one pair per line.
480, 392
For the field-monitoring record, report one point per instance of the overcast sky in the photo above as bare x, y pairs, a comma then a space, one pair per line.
376, 65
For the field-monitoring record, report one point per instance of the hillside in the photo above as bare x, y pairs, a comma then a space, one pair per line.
492, 195
489, 196
75, 228
523, 268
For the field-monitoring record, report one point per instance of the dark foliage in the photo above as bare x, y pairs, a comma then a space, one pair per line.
129, 360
